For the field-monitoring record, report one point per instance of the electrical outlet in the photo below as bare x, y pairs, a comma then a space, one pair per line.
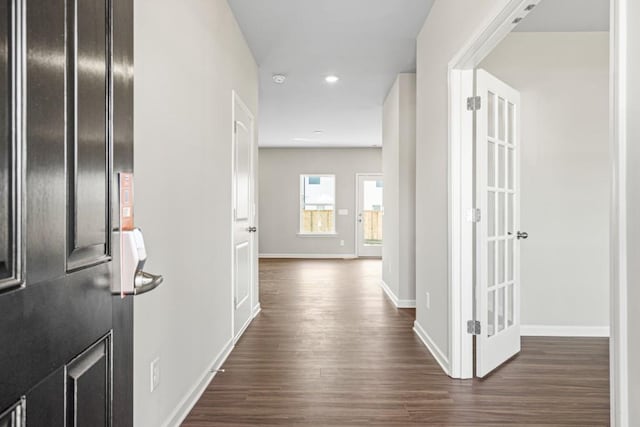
428, 300
155, 373
341, 242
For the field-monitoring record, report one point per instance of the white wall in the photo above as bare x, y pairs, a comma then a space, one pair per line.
450, 25
188, 58
280, 170
563, 79
398, 167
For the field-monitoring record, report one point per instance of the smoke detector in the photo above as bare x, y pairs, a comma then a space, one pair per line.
279, 78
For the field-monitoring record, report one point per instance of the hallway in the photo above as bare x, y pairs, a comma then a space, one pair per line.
329, 348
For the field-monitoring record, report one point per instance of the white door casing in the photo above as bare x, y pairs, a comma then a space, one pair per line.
365, 247
244, 227
497, 245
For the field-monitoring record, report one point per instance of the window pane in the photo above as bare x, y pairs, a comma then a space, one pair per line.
317, 204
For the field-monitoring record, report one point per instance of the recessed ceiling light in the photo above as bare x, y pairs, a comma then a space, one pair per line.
279, 78
332, 79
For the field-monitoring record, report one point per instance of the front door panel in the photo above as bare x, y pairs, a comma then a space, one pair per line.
87, 131
56, 169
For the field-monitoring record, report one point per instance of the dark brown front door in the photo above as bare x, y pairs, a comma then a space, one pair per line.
65, 132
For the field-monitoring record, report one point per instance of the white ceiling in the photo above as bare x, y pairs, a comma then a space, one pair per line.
364, 42
567, 15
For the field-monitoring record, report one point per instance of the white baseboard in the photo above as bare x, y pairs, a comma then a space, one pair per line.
309, 256
188, 402
256, 310
563, 331
399, 303
435, 351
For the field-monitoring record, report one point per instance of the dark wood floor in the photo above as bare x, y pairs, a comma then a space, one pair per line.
329, 349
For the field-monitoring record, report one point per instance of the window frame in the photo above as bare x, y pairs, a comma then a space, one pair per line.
301, 203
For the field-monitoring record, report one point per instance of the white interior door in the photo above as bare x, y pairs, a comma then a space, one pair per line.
369, 215
244, 227
497, 238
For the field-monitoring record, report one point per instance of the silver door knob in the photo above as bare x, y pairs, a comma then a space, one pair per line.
252, 229
522, 235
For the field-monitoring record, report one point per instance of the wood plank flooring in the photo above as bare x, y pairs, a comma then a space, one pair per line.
329, 349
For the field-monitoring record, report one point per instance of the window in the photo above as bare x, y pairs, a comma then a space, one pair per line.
317, 204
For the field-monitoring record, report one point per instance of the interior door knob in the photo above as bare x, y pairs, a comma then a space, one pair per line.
522, 235
252, 229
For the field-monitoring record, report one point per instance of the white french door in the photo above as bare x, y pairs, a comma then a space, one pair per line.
497, 239
369, 215
244, 228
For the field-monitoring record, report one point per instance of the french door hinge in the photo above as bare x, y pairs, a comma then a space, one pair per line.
474, 103
474, 215
473, 327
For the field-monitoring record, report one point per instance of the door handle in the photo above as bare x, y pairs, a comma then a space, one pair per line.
252, 229
522, 235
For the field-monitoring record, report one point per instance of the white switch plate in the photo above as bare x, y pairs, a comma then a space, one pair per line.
155, 373
341, 242
343, 212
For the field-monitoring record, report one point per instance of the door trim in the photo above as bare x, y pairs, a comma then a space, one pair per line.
618, 341
461, 181
253, 299
356, 249
460, 199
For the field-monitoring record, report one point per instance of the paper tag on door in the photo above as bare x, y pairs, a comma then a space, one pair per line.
126, 201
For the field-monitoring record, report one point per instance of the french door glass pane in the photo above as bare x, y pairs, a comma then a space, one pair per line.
501, 309
510, 299
491, 263
501, 166
491, 313
491, 214
501, 119
512, 120
501, 214
492, 115
510, 254
510, 213
510, 169
501, 261
491, 164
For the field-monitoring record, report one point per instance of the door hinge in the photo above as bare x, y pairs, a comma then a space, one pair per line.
473, 327
474, 103
474, 215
